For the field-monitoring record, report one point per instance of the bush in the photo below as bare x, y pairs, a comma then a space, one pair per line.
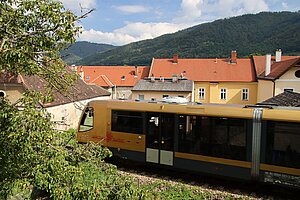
38, 161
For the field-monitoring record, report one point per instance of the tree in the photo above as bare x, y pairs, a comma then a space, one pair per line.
35, 160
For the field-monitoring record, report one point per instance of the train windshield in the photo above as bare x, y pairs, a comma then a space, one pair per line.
87, 120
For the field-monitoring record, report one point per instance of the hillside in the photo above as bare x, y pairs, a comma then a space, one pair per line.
252, 33
82, 49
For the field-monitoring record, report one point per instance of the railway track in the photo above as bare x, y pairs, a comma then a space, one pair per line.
218, 187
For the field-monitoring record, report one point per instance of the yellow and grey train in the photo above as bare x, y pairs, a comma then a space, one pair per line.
249, 143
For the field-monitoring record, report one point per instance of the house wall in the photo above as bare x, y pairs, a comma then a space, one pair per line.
159, 95
67, 116
288, 81
234, 92
264, 90
13, 91
120, 92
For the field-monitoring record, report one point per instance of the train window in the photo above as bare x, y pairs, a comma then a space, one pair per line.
229, 138
219, 137
87, 120
283, 144
127, 121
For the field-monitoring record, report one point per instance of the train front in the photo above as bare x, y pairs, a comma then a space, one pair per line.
91, 126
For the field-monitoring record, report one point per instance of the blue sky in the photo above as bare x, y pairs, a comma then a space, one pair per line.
120, 22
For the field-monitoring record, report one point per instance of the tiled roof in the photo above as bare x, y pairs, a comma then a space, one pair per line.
277, 68
286, 98
80, 91
177, 86
212, 70
108, 76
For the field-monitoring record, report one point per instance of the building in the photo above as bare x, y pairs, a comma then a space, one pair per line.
276, 74
118, 80
65, 110
219, 80
159, 88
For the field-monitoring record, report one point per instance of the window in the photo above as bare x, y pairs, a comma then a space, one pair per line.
123, 78
2, 93
165, 95
288, 89
127, 121
181, 96
88, 78
223, 94
283, 144
87, 120
201, 92
211, 136
245, 94
141, 97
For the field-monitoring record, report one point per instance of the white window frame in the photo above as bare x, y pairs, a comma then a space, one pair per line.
246, 92
202, 96
223, 91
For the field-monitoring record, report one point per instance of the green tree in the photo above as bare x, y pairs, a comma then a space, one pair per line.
35, 160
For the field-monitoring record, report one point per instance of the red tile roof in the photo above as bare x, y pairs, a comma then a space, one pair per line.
212, 70
277, 68
108, 76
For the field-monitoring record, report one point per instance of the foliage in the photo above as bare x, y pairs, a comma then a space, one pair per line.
35, 160
83, 49
31, 34
261, 33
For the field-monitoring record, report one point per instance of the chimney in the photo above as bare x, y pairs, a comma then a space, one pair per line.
278, 55
135, 72
175, 58
268, 64
233, 57
81, 73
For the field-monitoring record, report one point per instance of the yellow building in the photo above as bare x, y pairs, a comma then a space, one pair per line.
276, 75
219, 80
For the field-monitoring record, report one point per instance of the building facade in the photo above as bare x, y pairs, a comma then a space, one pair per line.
157, 89
276, 75
219, 80
118, 80
65, 110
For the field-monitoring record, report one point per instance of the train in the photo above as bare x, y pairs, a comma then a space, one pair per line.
253, 143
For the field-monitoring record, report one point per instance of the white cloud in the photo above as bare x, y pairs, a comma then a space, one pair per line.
106, 37
132, 32
132, 9
228, 8
284, 5
77, 5
191, 10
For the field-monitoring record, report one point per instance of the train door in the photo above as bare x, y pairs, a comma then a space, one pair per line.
160, 138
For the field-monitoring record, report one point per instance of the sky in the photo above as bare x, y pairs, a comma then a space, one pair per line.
119, 22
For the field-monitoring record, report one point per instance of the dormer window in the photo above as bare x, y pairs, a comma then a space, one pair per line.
123, 78
88, 78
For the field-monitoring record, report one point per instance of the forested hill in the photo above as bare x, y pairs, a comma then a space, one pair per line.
82, 49
252, 33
